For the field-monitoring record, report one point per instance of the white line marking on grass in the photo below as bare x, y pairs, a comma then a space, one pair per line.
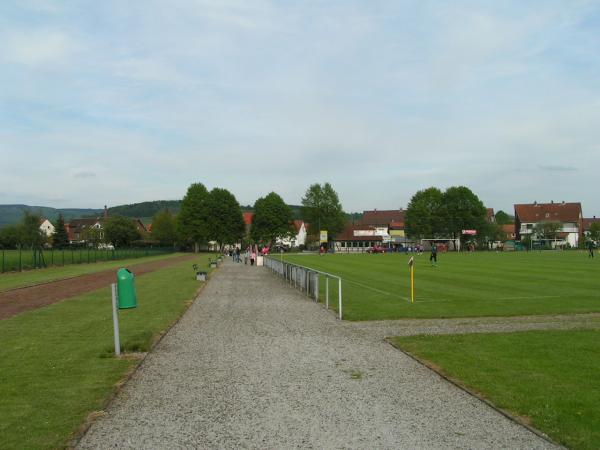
377, 290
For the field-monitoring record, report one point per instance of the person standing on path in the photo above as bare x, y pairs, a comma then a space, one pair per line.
433, 257
252, 257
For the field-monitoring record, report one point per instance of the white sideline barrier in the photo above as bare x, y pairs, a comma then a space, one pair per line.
305, 279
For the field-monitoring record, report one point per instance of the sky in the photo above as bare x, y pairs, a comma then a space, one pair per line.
117, 102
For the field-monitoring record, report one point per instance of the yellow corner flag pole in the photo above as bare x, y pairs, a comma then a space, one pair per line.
411, 263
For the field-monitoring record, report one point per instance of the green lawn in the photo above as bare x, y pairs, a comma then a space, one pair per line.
462, 285
17, 260
550, 378
56, 363
14, 280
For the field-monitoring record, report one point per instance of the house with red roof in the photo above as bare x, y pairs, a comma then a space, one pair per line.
570, 216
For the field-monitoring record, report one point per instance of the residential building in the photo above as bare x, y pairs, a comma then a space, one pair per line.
569, 215
358, 238
46, 227
587, 224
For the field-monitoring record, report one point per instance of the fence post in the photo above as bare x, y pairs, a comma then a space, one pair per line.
317, 287
2, 260
20, 260
326, 292
340, 297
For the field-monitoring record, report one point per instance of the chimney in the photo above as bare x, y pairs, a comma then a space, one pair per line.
105, 212
535, 202
551, 202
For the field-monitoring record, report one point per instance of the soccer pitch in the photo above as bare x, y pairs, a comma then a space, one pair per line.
377, 286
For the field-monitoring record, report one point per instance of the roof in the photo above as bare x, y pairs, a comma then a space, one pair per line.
298, 225
347, 234
382, 218
508, 228
541, 212
396, 225
248, 216
587, 223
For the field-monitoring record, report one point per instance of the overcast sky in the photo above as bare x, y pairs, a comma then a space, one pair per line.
113, 102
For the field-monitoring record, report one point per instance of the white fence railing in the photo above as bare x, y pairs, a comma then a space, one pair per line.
305, 279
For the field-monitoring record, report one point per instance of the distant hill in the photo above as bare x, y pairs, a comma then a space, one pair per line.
145, 209
12, 214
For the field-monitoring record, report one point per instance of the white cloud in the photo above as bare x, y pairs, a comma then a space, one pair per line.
37, 48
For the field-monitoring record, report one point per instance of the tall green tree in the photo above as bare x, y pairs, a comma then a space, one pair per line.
462, 210
29, 231
60, 238
120, 231
272, 219
10, 236
192, 219
225, 223
164, 228
595, 232
423, 218
503, 218
322, 209
547, 229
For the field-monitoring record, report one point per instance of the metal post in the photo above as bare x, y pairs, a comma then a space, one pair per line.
317, 287
116, 319
340, 297
327, 292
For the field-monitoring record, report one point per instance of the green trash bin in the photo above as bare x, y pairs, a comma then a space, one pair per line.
126, 289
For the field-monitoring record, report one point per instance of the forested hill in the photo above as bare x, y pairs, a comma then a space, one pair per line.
145, 209
12, 214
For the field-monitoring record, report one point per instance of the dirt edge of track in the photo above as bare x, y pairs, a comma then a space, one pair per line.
24, 299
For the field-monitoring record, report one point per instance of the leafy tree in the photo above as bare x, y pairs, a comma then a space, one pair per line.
595, 231
120, 231
192, 220
272, 219
60, 238
225, 223
92, 236
321, 207
423, 214
10, 236
547, 229
503, 218
164, 228
462, 210
30, 234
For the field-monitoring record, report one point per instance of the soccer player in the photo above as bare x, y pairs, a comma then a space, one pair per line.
590, 249
433, 257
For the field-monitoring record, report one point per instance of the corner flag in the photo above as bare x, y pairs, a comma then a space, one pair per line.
411, 264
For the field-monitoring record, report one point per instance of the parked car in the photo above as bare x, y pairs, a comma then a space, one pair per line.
376, 249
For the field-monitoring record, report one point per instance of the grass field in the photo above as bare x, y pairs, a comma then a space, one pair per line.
14, 280
17, 260
550, 378
377, 286
56, 363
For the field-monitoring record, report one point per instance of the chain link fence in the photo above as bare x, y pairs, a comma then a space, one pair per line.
315, 283
27, 259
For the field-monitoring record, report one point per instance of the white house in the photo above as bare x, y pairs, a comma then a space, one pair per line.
298, 239
46, 227
569, 215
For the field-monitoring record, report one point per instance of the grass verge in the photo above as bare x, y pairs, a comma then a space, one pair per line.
14, 280
548, 378
377, 287
56, 363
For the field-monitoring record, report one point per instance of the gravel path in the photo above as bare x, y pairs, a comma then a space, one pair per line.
408, 327
254, 364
